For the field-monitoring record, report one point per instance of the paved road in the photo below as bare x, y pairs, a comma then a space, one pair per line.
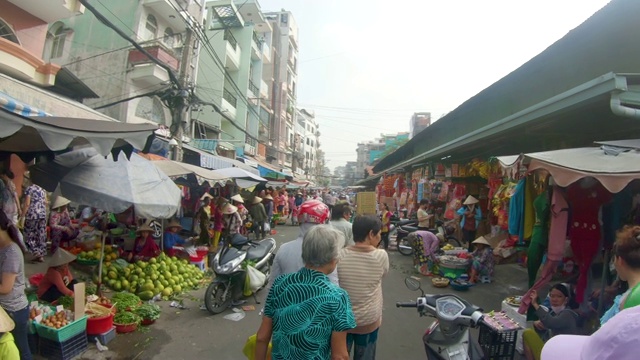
193, 333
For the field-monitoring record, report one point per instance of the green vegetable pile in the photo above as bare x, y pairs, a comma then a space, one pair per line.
66, 302
126, 318
124, 301
148, 311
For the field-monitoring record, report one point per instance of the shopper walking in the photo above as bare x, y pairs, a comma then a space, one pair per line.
34, 213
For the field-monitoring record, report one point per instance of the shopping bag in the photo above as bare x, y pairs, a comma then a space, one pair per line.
246, 290
267, 227
249, 349
256, 278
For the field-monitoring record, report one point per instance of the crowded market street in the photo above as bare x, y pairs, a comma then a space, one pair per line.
193, 333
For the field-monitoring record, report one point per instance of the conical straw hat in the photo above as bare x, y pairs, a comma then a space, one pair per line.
61, 257
6, 323
470, 200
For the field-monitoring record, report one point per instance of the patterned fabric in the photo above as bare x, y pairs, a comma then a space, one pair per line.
419, 258
483, 261
61, 229
232, 223
306, 308
9, 196
35, 224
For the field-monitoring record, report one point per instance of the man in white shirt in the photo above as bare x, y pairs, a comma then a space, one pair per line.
340, 220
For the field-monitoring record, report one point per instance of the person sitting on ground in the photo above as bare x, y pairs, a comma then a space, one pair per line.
145, 246
321, 333
340, 219
560, 319
58, 281
171, 237
60, 223
288, 259
8, 347
425, 244
482, 262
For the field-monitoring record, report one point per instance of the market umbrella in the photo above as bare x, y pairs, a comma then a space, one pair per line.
243, 178
87, 178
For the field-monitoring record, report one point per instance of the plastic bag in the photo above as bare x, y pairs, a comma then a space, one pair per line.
267, 227
246, 290
249, 349
256, 278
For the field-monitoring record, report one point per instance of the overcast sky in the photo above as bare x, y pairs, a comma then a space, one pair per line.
365, 66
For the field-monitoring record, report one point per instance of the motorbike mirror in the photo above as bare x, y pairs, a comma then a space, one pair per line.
413, 284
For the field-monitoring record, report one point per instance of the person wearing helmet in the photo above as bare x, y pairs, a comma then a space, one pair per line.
289, 256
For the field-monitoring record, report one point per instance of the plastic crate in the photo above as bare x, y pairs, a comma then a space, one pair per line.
103, 338
497, 345
64, 333
64, 350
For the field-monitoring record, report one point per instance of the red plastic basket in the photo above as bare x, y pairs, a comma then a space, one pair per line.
99, 325
125, 328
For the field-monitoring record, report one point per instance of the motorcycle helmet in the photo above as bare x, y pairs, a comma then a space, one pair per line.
313, 211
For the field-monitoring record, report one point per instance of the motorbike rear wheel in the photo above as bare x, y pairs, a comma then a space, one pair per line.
404, 247
215, 299
453, 241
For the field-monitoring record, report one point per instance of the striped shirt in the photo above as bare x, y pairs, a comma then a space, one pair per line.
360, 272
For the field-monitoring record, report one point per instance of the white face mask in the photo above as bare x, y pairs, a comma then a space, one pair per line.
557, 309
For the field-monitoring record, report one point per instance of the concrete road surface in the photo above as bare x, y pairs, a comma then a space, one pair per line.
193, 333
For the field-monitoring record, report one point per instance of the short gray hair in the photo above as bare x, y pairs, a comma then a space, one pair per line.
320, 245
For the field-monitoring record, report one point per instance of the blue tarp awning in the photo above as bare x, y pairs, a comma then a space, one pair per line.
18, 107
271, 174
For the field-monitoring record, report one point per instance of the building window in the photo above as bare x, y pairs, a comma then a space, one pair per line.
7, 33
57, 45
307, 141
151, 109
169, 37
151, 27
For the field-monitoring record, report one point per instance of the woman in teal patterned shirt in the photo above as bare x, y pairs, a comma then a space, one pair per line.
305, 315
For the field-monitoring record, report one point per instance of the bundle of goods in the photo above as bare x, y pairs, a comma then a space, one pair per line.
452, 250
440, 282
452, 266
163, 275
149, 313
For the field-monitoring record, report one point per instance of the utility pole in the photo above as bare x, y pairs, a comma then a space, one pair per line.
180, 110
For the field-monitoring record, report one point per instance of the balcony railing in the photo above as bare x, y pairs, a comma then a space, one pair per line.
254, 89
228, 36
228, 96
257, 40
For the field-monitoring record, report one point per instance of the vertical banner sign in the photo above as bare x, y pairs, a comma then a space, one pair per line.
420, 191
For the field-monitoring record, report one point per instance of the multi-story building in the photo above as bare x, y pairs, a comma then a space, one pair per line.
230, 75
283, 80
110, 64
370, 152
419, 121
307, 129
350, 175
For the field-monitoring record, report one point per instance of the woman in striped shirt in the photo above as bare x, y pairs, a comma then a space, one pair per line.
361, 269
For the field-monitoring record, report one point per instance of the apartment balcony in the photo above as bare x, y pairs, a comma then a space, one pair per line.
169, 13
232, 57
264, 90
149, 75
229, 103
256, 47
20, 63
50, 11
254, 91
266, 54
158, 52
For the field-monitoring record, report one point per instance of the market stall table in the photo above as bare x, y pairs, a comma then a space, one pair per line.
521, 319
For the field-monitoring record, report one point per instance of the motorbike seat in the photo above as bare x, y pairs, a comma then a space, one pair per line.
260, 250
238, 240
409, 229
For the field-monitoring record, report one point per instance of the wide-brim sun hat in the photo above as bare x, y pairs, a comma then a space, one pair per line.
617, 339
440, 236
206, 196
174, 223
268, 197
60, 201
6, 323
144, 227
229, 209
470, 200
61, 257
257, 200
237, 198
481, 240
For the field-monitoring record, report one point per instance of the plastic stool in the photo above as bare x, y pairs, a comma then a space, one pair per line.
485, 279
200, 264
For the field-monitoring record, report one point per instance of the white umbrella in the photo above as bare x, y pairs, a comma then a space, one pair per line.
113, 186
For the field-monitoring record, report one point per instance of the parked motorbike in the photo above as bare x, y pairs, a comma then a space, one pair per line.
448, 337
230, 276
405, 248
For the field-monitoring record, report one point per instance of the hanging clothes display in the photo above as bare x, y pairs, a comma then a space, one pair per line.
584, 229
529, 211
559, 211
539, 236
516, 210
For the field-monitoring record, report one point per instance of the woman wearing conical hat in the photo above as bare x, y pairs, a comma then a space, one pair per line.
60, 223
171, 237
58, 281
470, 216
145, 246
232, 220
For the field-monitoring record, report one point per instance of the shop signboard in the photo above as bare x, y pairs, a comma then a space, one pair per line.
366, 202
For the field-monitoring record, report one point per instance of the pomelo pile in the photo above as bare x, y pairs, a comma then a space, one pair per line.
162, 275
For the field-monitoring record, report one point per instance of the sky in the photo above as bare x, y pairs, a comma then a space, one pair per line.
365, 66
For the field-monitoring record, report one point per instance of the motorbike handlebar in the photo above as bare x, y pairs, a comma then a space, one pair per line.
406, 304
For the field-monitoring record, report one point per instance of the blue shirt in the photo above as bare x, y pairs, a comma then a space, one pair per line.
171, 240
306, 308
